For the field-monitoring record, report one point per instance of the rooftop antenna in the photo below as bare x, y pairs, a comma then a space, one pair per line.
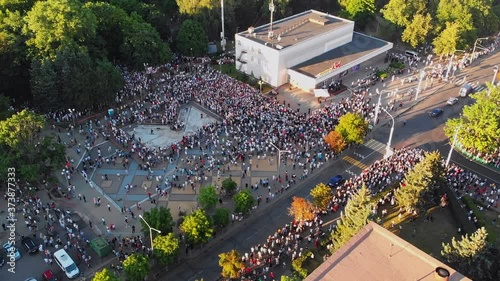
271, 9
222, 37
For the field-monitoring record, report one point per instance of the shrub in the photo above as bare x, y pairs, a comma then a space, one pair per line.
397, 65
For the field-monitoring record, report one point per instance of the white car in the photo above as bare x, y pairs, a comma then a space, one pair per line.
452, 101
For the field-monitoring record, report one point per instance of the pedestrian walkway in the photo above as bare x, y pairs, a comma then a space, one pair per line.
354, 162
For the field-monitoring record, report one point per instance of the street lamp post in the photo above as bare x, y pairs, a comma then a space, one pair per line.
150, 231
260, 85
379, 103
453, 145
475, 45
495, 73
279, 154
388, 150
422, 76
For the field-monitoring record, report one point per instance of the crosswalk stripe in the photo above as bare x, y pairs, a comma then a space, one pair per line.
375, 145
354, 162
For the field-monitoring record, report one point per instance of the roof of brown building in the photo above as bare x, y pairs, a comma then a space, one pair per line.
376, 254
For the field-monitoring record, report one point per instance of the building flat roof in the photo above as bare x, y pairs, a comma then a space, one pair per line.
360, 46
376, 254
295, 29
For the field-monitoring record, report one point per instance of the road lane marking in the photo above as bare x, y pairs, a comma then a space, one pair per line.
354, 162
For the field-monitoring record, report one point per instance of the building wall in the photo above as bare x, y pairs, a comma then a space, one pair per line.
271, 65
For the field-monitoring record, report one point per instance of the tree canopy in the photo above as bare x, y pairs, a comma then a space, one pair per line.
353, 218
208, 197
301, 209
191, 39
336, 141
105, 275
159, 218
473, 256
322, 196
197, 227
243, 201
478, 129
353, 127
166, 248
136, 267
229, 185
231, 264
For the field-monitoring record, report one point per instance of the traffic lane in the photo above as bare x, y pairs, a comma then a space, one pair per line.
253, 230
427, 132
27, 266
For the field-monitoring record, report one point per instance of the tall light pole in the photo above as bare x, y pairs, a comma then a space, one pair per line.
495, 73
453, 145
377, 107
279, 155
150, 231
475, 45
388, 150
422, 76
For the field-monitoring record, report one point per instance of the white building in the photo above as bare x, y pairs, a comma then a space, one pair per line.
305, 50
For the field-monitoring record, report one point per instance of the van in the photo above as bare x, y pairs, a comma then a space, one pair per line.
67, 264
412, 54
466, 90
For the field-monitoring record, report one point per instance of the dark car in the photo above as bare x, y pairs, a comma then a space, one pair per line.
435, 112
336, 180
48, 275
30, 245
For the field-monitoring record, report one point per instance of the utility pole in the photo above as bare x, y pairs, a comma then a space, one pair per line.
222, 35
271, 9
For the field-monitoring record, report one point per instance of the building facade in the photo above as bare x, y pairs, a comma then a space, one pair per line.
304, 50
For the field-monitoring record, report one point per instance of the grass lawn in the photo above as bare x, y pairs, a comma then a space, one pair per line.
429, 236
492, 228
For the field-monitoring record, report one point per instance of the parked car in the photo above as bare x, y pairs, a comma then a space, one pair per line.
435, 112
30, 245
336, 181
11, 249
30, 279
452, 101
48, 275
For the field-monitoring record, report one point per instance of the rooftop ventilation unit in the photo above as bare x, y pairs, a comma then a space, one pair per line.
251, 30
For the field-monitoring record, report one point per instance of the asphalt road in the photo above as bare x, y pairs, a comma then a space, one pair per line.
426, 132
420, 130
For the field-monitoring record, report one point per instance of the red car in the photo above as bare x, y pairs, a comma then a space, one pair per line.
48, 275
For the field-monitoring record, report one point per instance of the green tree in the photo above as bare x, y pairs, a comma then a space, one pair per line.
417, 31
52, 24
229, 185
197, 227
221, 217
193, 7
166, 248
353, 127
424, 179
478, 128
232, 265
301, 209
142, 44
470, 255
243, 201
208, 197
21, 129
401, 12
358, 10
322, 196
353, 218
159, 218
105, 275
448, 40
136, 267
191, 39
